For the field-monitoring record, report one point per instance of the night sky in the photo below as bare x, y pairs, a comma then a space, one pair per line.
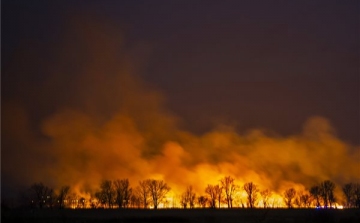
268, 65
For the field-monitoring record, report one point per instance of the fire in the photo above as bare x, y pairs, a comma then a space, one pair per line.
117, 127
273, 164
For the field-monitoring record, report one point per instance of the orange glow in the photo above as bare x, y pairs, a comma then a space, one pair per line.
271, 163
138, 139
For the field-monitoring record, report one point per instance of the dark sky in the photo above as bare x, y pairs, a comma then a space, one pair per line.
252, 64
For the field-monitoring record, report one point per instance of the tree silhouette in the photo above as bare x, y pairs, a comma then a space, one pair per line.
107, 193
41, 193
212, 191
192, 196
352, 194
305, 199
265, 194
135, 200
101, 199
119, 192
63, 193
123, 192
357, 195
327, 192
251, 190
218, 191
50, 199
316, 194
157, 189
349, 192
227, 183
188, 197
202, 201
289, 195
184, 200
143, 192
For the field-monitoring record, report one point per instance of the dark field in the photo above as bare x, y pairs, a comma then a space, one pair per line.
181, 215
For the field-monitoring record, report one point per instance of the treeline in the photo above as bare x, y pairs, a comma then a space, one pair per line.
119, 193
153, 193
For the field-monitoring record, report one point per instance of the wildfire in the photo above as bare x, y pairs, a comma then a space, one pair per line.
117, 127
272, 165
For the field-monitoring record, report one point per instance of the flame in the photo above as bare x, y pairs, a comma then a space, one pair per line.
117, 127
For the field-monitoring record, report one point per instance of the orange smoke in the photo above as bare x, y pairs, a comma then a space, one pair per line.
115, 126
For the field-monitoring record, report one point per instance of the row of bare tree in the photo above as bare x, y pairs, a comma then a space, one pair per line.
320, 195
151, 192
40, 195
119, 192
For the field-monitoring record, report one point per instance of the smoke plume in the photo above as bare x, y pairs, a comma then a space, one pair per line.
99, 120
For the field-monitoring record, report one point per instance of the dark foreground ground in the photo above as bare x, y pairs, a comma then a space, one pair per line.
181, 215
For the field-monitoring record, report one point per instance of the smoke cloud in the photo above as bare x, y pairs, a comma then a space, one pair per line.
101, 121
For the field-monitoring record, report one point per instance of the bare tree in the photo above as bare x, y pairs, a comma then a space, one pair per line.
157, 189
188, 197
352, 194
63, 193
315, 193
357, 195
252, 191
327, 192
192, 196
227, 183
107, 193
135, 200
143, 192
348, 190
41, 193
265, 195
100, 199
289, 195
305, 199
212, 191
123, 192
215, 193
302, 199
50, 198
219, 191
184, 200
202, 200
